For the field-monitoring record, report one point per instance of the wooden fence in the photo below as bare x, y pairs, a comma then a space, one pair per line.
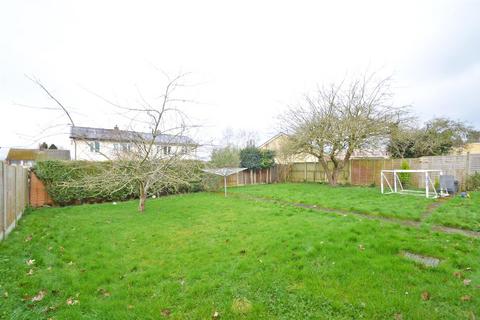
367, 171
13, 196
361, 171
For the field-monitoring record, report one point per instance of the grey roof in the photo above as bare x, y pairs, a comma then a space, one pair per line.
101, 134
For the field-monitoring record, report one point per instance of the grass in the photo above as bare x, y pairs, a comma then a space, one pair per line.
190, 256
361, 199
459, 212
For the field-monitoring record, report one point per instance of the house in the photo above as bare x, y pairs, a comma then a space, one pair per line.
100, 144
278, 142
28, 157
471, 148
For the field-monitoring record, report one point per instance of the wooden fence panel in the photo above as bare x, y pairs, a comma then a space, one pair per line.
367, 171
13, 196
2, 201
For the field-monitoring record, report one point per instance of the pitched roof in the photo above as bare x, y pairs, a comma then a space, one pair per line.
280, 134
102, 134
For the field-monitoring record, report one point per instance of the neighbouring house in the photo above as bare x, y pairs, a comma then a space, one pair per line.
469, 148
100, 144
277, 143
28, 157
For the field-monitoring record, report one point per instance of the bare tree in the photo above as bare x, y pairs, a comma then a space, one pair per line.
341, 118
155, 155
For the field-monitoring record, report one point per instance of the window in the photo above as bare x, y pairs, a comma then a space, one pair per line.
184, 149
167, 150
95, 146
126, 147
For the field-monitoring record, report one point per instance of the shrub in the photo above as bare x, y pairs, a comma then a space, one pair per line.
473, 182
405, 177
60, 179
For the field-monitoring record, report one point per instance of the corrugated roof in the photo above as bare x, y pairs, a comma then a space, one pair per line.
101, 134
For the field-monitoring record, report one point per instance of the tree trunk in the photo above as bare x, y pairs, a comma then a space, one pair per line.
332, 174
143, 198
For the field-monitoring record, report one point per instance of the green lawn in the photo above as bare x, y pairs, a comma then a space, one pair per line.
459, 212
190, 256
362, 199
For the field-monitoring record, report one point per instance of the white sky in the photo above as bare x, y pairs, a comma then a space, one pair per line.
249, 59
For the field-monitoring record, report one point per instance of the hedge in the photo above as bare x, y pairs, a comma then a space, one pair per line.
54, 174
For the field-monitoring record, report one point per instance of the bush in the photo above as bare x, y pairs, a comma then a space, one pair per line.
473, 182
405, 177
60, 179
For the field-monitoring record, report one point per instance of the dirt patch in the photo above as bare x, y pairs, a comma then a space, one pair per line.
432, 208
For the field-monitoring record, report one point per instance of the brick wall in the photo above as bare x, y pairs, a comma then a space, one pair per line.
38, 193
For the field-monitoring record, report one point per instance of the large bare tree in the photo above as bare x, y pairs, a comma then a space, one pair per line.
339, 119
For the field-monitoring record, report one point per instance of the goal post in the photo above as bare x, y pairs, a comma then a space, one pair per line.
393, 181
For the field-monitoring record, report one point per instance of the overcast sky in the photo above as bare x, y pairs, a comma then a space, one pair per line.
247, 59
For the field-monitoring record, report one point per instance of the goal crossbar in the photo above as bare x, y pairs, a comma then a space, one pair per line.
430, 190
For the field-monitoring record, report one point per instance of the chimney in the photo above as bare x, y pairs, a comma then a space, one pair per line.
115, 128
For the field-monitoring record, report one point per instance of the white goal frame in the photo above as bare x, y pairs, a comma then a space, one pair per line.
430, 190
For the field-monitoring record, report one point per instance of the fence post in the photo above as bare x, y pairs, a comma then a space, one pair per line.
3, 203
305, 178
350, 171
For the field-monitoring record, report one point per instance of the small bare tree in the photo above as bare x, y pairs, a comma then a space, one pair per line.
340, 119
155, 155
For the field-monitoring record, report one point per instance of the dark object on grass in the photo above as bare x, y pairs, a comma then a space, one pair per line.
449, 184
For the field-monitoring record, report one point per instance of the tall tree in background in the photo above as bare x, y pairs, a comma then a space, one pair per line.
226, 157
338, 119
438, 136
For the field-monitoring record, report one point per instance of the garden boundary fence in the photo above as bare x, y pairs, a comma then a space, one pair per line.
365, 172
13, 196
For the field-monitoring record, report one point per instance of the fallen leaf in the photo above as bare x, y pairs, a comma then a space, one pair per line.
103, 292
216, 315
5, 294
398, 316
361, 247
30, 262
39, 297
28, 238
466, 298
70, 263
71, 301
467, 282
458, 274
30, 272
130, 306
166, 312
49, 309
425, 296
